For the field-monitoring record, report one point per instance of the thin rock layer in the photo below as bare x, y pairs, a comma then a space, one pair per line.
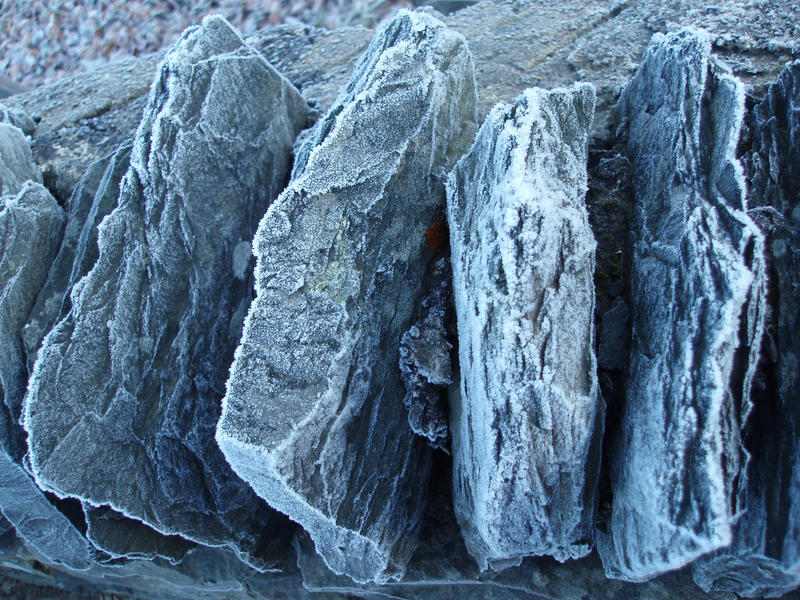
124, 397
697, 314
764, 558
527, 423
313, 418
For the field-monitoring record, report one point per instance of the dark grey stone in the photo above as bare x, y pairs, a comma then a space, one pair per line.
125, 394
313, 418
16, 160
17, 118
527, 423
697, 314
94, 197
764, 558
425, 364
612, 352
30, 229
122, 537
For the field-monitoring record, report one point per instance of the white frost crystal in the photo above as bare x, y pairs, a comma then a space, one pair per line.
696, 286
527, 423
313, 418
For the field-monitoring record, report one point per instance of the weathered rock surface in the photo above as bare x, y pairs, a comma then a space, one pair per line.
764, 558
515, 45
696, 290
30, 229
313, 418
528, 421
16, 161
122, 537
425, 365
94, 197
124, 397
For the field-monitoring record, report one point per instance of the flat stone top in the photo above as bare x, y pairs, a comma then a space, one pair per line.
515, 45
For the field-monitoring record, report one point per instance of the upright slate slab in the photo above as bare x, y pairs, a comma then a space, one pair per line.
697, 313
125, 394
30, 229
313, 418
94, 197
16, 160
764, 558
527, 423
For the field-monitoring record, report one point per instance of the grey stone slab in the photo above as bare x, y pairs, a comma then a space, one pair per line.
122, 537
697, 313
94, 197
527, 423
16, 160
124, 397
425, 364
313, 418
30, 229
764, 557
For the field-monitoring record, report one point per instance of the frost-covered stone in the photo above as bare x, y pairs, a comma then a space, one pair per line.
764, 558
94, 197
425, 365
16, 160
125, 394
122, 537
696, 288
527, 423
313, 418
30, 229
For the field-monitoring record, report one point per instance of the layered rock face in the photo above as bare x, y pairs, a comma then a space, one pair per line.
340, 407
124, 397
313, 418
528, 421
30, 228
764, 557
697, 314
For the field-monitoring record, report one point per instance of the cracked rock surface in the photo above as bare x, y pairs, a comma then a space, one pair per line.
125, 393
764, 557
313, 418
697, 314
528, 421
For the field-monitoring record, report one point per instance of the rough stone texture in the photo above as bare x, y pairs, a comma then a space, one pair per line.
17, 118
16, 160
612, 351
30, 229
528, 421
123, 537
94, 197
442, 569
764, 558
516, 44
313, 418
124, 397
425, 365
696, 288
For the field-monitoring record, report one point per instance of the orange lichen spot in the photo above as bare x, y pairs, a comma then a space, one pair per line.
438, 236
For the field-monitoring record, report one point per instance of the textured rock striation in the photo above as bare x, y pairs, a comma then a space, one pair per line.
313, 418
124, 397
527, 423
30, 228
764, 558
697, 314
16, 160
425, 365
94, 197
